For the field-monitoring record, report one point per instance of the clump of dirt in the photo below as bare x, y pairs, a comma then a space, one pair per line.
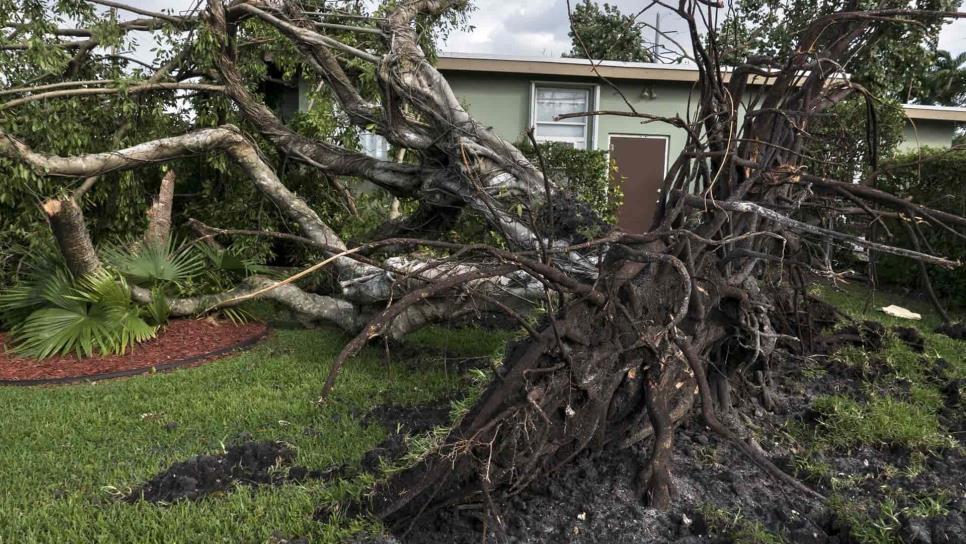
867, 335
956, 331
401, 421
910, 337
248, 463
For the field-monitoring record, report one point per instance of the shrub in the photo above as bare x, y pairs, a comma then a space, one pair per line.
585, 173
932, 178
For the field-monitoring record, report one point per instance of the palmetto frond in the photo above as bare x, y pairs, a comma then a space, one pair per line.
153, 263
227, 260
92, 315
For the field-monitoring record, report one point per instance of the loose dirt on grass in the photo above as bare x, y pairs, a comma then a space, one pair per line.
181, 343
248, 463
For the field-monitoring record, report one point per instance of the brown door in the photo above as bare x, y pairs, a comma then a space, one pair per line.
640, 172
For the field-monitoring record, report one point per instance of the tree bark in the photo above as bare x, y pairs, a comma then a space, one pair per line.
159, 214
70, 231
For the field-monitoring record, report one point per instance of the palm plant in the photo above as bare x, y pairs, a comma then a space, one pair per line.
231, 261
154, 264
52, 314
945, 82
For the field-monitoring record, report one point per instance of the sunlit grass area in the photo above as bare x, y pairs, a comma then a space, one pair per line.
66, 452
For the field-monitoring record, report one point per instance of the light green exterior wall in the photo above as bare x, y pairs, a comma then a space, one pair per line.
502, 101
927, 134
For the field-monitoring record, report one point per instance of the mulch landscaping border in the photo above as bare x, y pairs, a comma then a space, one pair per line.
243, 345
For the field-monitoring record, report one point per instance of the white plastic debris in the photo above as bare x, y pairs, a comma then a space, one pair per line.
901, 313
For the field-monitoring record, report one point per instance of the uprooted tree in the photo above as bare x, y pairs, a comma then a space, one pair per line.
637, 322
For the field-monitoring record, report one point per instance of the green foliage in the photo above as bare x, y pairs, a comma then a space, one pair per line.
604, 33
584, 173
157, 311
231, 261
153, 264
92, 315
945, 81
931, 177
846, 136
893, 67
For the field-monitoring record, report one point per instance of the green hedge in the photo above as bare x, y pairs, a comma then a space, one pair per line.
934, 178
585, 173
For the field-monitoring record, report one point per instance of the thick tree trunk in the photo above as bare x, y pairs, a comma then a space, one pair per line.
70, 232
159, 214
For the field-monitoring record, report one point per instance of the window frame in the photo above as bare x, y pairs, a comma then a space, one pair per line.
589, 139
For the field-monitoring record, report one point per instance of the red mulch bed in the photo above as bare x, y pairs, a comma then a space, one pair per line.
192, 342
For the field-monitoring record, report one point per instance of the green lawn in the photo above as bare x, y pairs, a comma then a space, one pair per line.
65, 452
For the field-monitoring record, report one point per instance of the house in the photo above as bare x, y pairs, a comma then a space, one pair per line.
511, 94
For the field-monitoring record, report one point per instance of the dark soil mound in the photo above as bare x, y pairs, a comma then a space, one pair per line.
911, 337
867, 335
596, 500
401, 421
250, 463
953, 330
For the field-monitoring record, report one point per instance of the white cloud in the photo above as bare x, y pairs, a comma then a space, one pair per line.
539, 27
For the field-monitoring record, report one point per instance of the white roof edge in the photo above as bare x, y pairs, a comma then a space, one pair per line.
926, 107
566, 60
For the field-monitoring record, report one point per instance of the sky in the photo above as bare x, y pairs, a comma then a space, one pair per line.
539, 27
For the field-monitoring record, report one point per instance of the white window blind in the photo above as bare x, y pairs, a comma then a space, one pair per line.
374, 145
550, 102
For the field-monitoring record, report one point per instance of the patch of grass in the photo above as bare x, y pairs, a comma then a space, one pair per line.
811, 468
736, 527
857, 301
868, 524
883, 421
903, 386
879, 523
66, 451
468, 341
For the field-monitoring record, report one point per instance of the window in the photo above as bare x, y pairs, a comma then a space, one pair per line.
374, 145
550, 102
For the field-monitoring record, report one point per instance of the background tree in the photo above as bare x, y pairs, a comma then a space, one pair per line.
944, 83
605, 33
895, 64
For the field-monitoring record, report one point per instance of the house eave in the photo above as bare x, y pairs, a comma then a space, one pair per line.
935, 113
579, 68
